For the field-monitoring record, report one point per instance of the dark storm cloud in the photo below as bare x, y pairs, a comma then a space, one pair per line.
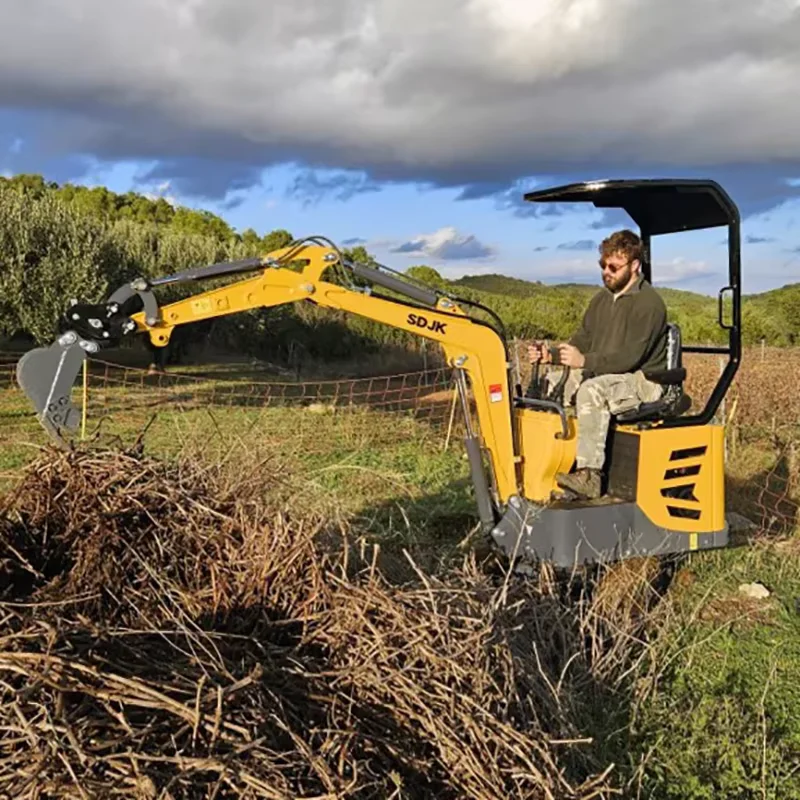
215, 90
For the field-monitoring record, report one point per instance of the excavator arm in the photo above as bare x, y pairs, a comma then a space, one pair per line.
475, 349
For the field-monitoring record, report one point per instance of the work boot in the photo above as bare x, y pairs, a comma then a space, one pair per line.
584, 482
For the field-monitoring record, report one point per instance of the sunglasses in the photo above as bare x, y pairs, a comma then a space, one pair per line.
613, 268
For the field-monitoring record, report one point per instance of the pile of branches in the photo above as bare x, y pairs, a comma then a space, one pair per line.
169, 634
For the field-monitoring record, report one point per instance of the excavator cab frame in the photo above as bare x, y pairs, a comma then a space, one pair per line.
660, 206
667, 479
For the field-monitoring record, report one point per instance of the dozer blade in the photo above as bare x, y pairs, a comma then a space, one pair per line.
47, 375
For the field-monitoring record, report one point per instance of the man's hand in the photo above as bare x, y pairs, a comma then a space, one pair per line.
570, 356
538, 351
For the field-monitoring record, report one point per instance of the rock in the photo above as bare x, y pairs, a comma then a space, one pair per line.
319, 408
739, 524
756, 590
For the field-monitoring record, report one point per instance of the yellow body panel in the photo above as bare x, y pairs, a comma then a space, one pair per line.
544, 452
665, 456
696, 450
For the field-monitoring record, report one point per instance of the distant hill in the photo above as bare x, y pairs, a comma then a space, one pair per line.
532, 308
501, 284
519, 287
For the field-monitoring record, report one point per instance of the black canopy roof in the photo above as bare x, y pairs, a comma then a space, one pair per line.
656, 205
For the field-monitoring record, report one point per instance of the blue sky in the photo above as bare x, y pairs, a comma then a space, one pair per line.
416, 133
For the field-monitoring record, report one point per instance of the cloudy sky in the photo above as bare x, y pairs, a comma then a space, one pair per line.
415, 126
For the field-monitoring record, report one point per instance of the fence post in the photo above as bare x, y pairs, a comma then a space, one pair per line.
452, 418
731, 429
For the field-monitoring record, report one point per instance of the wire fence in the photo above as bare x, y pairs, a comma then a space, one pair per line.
235, 402
761, 414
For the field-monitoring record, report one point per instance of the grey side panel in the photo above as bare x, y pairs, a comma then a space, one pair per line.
575, 534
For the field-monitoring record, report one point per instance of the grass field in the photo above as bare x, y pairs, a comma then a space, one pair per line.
379, 459
690, 693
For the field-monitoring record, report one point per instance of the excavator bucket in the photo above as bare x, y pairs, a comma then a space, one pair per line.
46, 375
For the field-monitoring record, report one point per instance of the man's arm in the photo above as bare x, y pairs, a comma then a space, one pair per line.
582, 338
646, 327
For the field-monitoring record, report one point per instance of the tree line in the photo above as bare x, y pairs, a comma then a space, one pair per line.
62, 242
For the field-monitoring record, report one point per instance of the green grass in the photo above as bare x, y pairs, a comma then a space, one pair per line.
385, 470
723, 718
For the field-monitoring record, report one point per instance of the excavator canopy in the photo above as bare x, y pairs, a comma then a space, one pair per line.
656, 205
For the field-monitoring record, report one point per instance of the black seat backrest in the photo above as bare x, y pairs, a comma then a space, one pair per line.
673, 401
674, 346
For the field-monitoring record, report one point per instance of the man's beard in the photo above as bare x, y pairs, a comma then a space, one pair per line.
619, 281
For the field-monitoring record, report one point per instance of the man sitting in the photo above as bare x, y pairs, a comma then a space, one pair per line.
622, 339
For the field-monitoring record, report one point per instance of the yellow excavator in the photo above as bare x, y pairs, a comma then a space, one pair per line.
665, 467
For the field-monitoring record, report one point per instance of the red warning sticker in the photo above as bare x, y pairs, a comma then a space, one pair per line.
495, 392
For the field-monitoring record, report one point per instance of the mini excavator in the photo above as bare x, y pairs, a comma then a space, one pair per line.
665, 467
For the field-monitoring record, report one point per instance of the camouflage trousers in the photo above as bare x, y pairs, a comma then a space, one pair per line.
595, 400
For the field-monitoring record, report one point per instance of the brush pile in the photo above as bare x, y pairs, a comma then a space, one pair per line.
169, 633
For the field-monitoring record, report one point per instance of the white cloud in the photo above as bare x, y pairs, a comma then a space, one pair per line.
162, 190
681, 270
446, 244
477, 90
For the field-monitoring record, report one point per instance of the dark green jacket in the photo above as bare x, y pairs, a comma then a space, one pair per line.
624, 333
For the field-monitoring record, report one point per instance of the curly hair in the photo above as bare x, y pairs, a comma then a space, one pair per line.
625, 242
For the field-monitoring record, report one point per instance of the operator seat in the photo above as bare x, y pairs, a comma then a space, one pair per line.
674, 401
